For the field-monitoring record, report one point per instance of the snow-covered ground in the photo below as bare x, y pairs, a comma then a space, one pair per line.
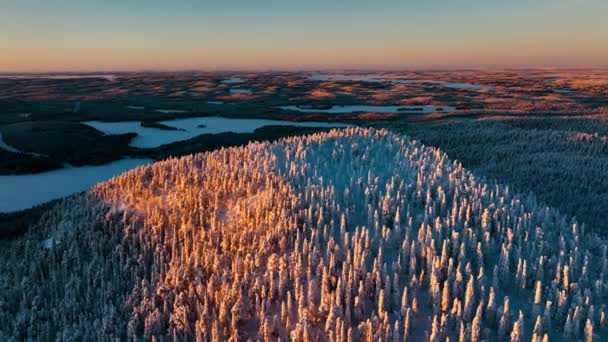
148, 137
19, 192
370, 108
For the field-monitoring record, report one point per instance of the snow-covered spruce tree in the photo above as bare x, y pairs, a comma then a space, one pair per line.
353, 234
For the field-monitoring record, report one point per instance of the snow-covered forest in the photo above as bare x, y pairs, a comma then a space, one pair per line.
562, 161
351, 235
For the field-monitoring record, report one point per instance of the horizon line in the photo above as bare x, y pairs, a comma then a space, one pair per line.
294, 70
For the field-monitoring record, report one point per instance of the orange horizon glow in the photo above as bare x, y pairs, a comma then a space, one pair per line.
79, 38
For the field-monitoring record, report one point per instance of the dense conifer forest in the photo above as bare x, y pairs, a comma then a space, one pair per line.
562, 161
348, 235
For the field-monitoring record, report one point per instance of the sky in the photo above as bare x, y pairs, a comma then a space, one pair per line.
122, 35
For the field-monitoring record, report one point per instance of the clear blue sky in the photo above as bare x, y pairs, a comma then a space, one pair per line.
44, 35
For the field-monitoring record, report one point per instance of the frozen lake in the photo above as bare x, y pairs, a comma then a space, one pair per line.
148, 137
393, 79
25, 191
240, 91
562, 91
346, 77
463, 85
171, 111
233, 80
374, 109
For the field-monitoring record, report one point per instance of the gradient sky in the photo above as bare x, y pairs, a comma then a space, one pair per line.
86, 35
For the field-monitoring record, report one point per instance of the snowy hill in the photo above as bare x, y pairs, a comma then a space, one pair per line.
353, 234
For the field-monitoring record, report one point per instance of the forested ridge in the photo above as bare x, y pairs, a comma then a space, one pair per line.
561, 161
348, 235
